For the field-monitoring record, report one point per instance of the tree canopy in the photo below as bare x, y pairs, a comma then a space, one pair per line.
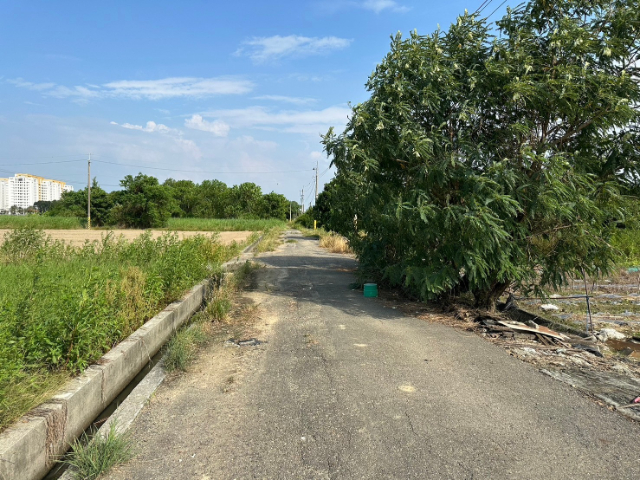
145, 203
491, 156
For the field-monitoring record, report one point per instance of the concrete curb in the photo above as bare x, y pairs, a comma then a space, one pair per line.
29, 448
130, 408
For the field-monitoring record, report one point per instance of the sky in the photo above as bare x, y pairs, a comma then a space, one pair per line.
238, 91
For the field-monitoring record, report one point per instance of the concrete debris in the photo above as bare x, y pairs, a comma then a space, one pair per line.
592, 349
609, 334
251, 342
549, 307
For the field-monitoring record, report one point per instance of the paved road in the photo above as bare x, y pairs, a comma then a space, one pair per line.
349, 389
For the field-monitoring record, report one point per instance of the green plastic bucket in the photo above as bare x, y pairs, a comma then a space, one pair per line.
370, 290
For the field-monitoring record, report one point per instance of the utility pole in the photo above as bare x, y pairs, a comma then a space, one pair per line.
89, 193
316, 199
302, 200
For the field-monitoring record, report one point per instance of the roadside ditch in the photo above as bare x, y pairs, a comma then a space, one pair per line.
30, 449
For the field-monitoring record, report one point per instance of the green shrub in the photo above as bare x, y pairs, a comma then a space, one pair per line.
305, 220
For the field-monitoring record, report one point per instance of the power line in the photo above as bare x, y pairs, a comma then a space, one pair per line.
482, 6
44, 163
499, 6
322, 174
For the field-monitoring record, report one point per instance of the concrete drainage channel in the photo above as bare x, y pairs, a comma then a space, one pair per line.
30, 447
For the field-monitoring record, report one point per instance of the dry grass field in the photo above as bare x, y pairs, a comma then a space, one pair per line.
78, 237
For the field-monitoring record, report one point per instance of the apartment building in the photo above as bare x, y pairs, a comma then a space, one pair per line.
23, 190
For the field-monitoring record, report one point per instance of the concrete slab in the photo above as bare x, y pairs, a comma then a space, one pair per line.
120, 366
22, 450
82, 401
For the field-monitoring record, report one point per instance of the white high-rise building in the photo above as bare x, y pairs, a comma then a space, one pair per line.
23, 190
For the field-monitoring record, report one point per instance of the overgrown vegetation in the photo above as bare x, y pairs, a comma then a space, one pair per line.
270, 239
494, 156
182, 349
222, 224
335, 243
62, 308
42, 221
173, 224
93, 456
145, 203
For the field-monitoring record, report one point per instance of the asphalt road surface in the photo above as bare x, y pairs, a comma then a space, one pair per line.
345, 388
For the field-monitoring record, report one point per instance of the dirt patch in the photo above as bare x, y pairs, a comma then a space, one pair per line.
78, 237
171, 434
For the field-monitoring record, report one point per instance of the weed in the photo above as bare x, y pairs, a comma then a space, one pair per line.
219, 307
222, 225
62, 308
331, 241
91, 457
335, 243
270, 240
41, 221
181, 349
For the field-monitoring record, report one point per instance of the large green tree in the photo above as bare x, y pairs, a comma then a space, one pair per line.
490, 156
143, 203
186, 197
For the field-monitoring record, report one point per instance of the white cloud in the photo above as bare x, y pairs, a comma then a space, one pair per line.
283, 98
260, 116
19, 82
177, 87
378, 6
172, 133
306, 122
217, 127
150, 127
316, 155
174, 87
262, 49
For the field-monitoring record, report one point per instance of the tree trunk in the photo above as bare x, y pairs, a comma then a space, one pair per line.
487, 299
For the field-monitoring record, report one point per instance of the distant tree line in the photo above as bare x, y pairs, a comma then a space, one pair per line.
144, 202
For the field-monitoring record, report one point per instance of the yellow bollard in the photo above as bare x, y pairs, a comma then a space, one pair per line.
315, 226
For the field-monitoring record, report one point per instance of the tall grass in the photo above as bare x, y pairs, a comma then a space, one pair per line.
335, 243
62, 308
91, 457
182, 349
270, 239
41, 221
222, 224
178, 224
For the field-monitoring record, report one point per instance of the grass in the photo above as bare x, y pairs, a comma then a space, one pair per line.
335, 243
270, 239
62, 308
182, 349
91, 457
222, 225
41, 221
177, 224
331, 241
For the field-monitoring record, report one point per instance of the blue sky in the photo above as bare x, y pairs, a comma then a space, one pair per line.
238, 90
